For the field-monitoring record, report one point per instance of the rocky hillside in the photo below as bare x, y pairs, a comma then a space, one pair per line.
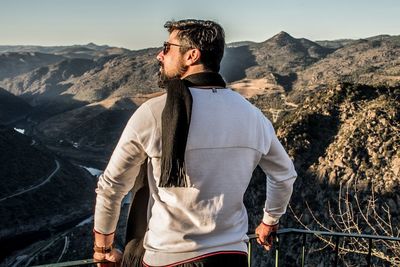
12, 108
123, 76
346, 131
345, 137
44, 88
44, 84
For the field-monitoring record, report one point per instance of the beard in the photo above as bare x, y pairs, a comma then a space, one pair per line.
163, 77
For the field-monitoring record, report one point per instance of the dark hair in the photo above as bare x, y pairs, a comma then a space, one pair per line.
205, 35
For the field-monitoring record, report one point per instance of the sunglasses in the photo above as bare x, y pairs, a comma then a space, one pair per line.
167, 46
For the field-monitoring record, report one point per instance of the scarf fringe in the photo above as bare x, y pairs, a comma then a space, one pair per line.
174, 174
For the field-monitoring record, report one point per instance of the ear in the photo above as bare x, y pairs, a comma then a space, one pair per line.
192, 57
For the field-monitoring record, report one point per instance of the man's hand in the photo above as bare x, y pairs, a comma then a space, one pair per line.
114, 257
265, 234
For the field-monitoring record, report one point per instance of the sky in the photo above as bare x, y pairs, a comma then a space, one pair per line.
137, 24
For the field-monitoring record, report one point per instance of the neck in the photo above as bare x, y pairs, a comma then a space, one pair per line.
205, 79
194, 69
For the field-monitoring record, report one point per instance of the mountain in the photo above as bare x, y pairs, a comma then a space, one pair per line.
45, 83
44, 88
282, 54
86, 80
13, 64
12, 108
122, 76
275, 65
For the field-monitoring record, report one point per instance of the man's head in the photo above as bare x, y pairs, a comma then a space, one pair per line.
193, 46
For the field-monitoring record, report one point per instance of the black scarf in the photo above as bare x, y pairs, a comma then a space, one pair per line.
175, 122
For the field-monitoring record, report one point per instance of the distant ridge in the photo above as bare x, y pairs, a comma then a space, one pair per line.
52, 49
240, 43
374, 62
90, 50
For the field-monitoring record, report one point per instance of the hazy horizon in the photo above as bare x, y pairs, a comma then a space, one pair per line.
136, 26
236, 41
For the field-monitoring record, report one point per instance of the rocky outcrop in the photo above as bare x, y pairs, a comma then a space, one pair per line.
345, 137
347, 132
366, 147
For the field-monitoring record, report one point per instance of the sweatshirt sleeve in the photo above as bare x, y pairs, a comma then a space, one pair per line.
281, 175
121, 172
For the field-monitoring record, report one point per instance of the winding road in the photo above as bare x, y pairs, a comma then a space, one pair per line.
66, 245
36, 186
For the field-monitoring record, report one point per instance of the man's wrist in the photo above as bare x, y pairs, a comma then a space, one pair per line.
103, 240
270, 225
270, 219
96, 232
103, 249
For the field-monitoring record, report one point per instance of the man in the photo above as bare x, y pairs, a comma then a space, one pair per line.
201, 142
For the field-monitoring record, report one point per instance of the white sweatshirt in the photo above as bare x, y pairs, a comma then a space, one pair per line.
228, 137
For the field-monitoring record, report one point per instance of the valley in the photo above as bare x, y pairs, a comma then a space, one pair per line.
334, 105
